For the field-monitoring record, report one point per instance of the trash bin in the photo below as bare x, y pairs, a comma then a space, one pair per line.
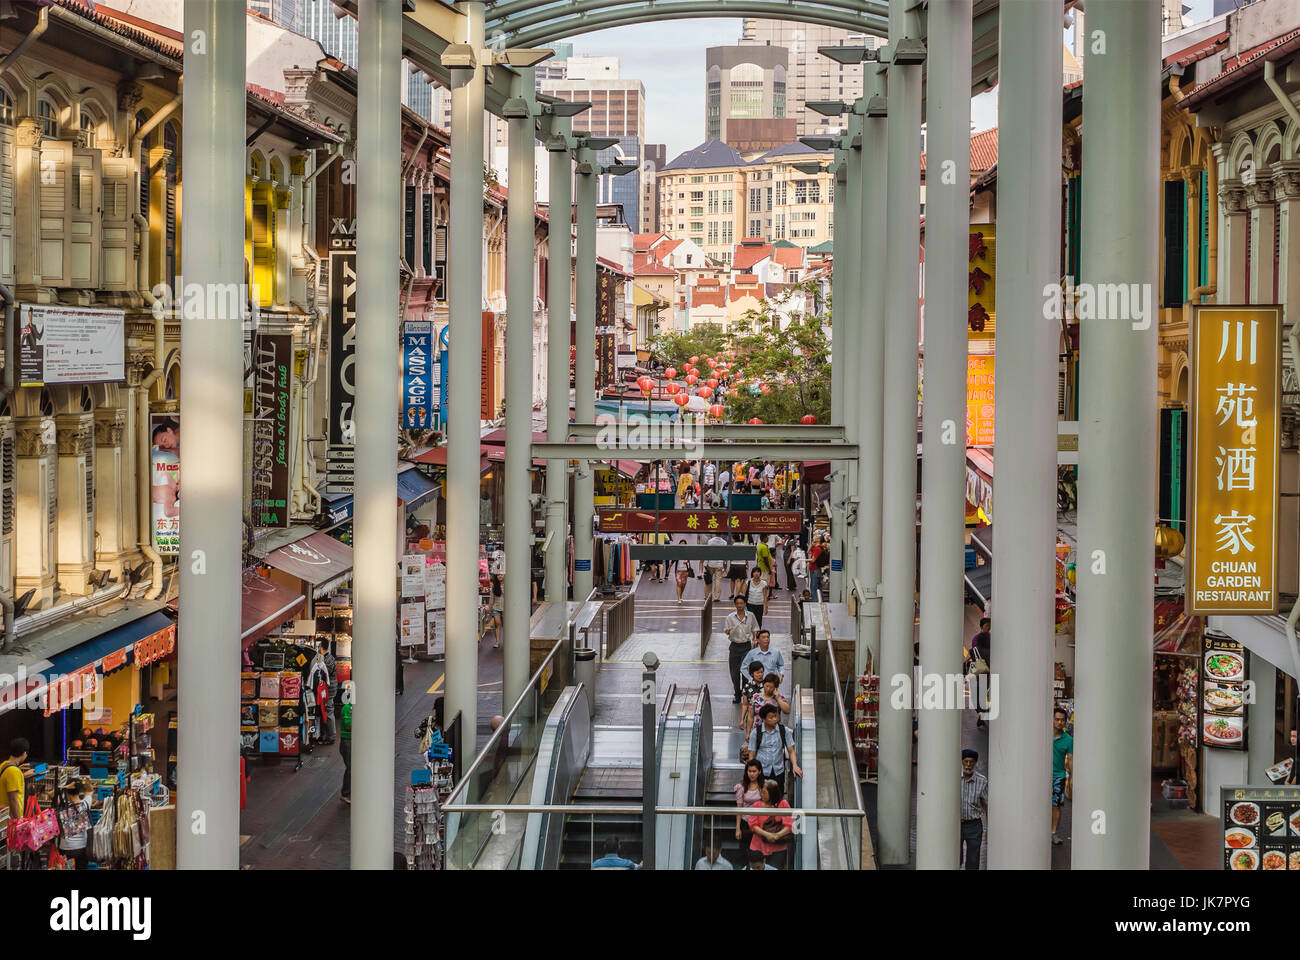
802, 654
584, 672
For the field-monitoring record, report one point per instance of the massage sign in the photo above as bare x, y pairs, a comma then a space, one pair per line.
1236, 377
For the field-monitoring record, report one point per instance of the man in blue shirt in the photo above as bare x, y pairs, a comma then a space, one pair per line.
771, 659
613, 858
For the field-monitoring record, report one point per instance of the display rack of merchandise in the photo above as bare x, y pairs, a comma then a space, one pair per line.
424, 849
866, 726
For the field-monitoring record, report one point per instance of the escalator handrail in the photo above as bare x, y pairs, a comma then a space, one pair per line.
567, 704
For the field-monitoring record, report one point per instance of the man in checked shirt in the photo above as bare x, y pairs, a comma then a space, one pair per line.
974, 806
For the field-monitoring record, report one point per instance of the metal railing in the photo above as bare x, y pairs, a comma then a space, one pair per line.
706, 620
617, 624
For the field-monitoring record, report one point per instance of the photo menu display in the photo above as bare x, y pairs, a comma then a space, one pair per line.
1223, 692
1261, 828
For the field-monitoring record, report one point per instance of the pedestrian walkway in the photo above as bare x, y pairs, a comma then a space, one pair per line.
297, 820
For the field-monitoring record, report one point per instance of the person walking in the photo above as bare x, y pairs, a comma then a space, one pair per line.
756, 594
823, 571
754, 704
974, 807
814, 571
716, 568
684, 573
724, 486
765, 654
741, 627
613, 858
343, 701
74, 824
713, 858
1062, 757
772, 745
772, 832
736, 576
498, 608
978, 666
765, 564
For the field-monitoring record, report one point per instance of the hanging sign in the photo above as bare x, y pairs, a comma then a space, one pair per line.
417, 376
1236, 376
605, 360
165, 467
979, 400
487, 371
700, 521
981, 286
155, 647
340, 454
272, 354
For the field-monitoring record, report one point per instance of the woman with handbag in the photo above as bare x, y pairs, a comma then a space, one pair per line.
749, 793
74, 825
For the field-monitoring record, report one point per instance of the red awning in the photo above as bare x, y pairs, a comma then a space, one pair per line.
316, 559
265, 605
816, 471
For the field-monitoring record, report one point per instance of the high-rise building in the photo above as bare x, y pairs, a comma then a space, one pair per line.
417, 90
334, 30
745, 84
811, 76
287, 13
653, 158
617, 110
556, 67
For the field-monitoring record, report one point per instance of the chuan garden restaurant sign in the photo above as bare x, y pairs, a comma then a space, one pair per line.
1236, 375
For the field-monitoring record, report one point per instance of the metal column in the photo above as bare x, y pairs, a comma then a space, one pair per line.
212, 400
519, 398
584, 367
871, 366
466, 342
943, 474
559, 270
902, 305
379, 206
1117, 426
851, 336
1024, 493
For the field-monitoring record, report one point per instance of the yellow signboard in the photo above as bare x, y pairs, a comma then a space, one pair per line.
981, 286
1236, 374
979, 401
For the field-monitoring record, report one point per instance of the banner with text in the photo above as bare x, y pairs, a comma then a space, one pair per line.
979, 400
1236, 375
417, 375
700, 521
343, 384
272, 354
165, 467
70, 345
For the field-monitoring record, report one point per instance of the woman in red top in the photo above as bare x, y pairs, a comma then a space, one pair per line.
772, 833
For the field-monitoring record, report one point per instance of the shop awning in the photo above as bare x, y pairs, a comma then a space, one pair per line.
265, 605
320, 560
413, 488
437, 456
119, 638
816, 471
338, 508
982, 540
979, 581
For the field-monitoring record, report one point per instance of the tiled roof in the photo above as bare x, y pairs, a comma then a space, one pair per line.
644, 241
667, 247
789, 149
826, 246
714, 297
612, 267
273, 101
1197, 51
748, 254
983, 150
709, 154
82, 9
1242, 68
644, 265
746, 278
791, 258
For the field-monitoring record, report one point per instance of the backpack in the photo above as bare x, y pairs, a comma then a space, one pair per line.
785, 740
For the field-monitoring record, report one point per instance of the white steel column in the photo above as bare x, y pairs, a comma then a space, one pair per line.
1117, 443
379, 206
212, 234
584, 367
871, 366
559, 294
519, 398
1024, 490
902, 306
465, 287
849, 336
943, 442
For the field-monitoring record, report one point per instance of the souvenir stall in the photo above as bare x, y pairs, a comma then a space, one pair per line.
613, 562
429, 789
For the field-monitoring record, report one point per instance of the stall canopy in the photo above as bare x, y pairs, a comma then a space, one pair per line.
120, 638
265, 605
413, 488
437, 457
320, 560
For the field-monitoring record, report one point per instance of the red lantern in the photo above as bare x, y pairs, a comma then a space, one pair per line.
716, 410
646, 384
681, 399
671, 373
705, 392
692, 379
756, 420
731, 354
808, 418
694, 360
712, 381
712, 363
673, 389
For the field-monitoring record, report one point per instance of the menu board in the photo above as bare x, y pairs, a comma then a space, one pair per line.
1223, 692
412, 624
1261, 828
412, 575
435, 602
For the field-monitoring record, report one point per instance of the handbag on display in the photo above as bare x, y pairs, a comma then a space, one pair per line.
58, 861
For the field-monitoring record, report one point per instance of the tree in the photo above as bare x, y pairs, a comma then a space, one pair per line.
703, 340
791, 360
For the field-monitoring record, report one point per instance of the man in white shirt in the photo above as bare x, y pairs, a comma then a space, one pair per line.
713, 858
724, 487
709, 473
717, 567
741, 626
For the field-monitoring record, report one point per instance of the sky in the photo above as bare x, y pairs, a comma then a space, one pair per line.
668, 58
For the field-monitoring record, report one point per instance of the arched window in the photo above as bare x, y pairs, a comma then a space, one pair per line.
48, 117
87, 126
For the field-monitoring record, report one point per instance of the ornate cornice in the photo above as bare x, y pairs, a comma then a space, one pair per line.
27, 132
129, 95
76, 434
1259, 193
30, 435
1232, 196
110, 427
1286, 179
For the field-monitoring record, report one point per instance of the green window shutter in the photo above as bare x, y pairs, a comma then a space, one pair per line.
1072, 228
1175, 222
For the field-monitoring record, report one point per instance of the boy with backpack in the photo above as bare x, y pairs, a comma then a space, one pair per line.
771, 744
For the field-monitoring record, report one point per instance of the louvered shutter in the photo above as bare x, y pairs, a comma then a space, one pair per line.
6, 205
440, 261
426, 234
85, 219
1204, 240
55, 173
116, 228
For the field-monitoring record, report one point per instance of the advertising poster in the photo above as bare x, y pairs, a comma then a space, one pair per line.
487, 369
417, 375
272, 355
1261, 827
165, 469
413, 579
1235, 441
1223, 692
979, 400
340, 453
411, 625
70, 345
435, 644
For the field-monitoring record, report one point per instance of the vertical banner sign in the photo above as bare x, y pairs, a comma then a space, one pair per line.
343, 383
165, 470
979, 400
1236, 375
417, 377
605, 369
981, 286
487, 371
272, 354
442, 373
573, 353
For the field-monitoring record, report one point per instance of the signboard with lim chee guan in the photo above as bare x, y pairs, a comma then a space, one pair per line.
1236, 382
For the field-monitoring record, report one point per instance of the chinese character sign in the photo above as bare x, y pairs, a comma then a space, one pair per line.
1236, 364
980, 285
